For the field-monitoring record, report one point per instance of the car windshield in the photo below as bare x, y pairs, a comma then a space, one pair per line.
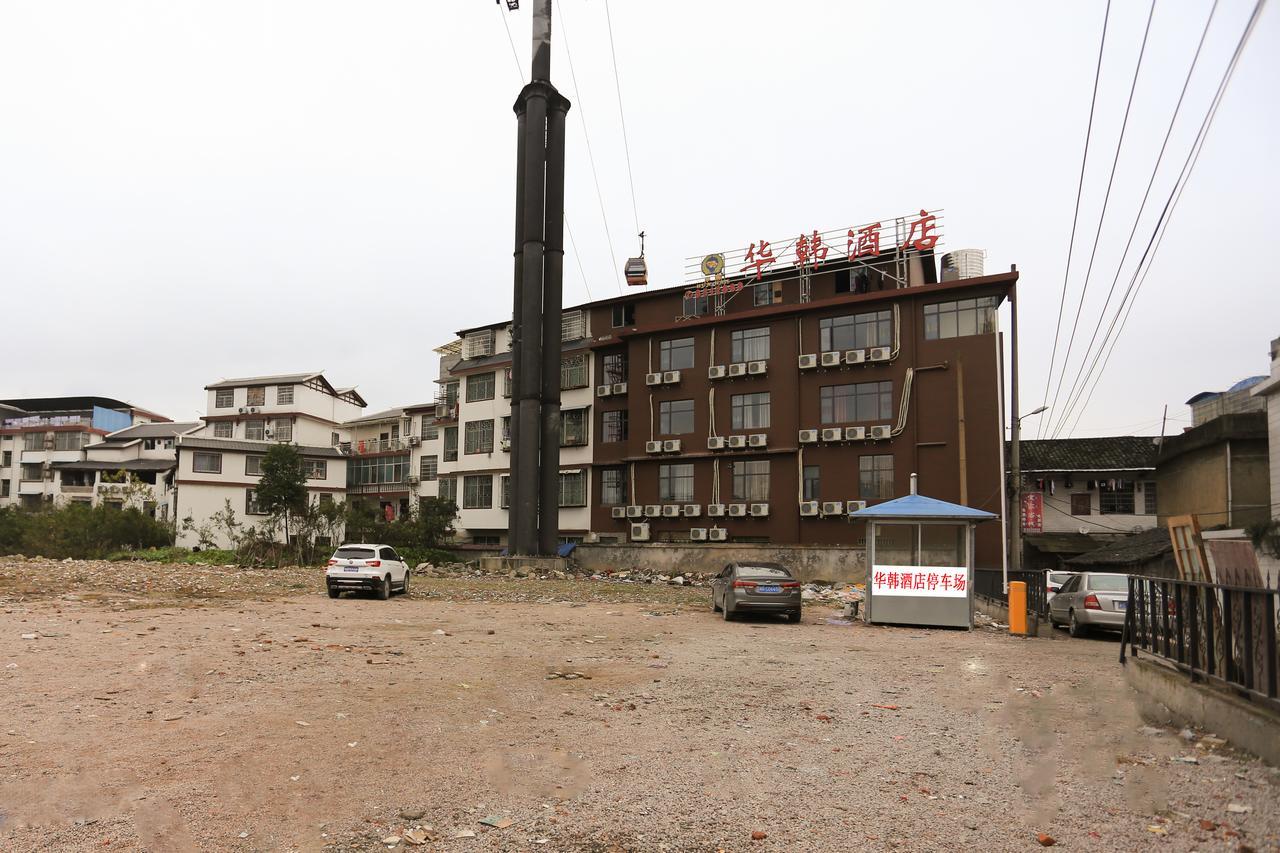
763, 572
353, 554
1109, 583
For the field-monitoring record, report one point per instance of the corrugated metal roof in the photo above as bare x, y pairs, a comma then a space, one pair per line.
156, 430
919, 506
251, 446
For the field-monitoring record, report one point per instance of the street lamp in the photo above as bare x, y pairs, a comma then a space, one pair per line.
1015, 540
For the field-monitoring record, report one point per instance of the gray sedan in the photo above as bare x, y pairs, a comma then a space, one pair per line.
1091, 600
756, 588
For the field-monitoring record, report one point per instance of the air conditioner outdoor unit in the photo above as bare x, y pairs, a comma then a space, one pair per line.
738, 369
759, 439
619, 387
505, 444
619, 512
854, 506
883, 431
268, 433
832, 434
808, 436
737, 510
717, 534
854, 356
878, 354
855, 433
652, 510
737, 441
671, 376
715, 510
635, 511
832, 507
671, 445
640, 532
671, 511
603, 390
808, 507
414, 441
831, 359
413, 481
698, 534
808, 362
253, 410
757, 368
691, 510
759, 510
653, 447
716, 371
715, 442
653, 379
244, 410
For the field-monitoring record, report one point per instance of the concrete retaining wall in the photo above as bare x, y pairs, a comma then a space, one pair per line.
809, 562
1166, 695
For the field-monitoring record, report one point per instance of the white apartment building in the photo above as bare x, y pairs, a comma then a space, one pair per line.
130, 467
464, 451
48, 443
219, 461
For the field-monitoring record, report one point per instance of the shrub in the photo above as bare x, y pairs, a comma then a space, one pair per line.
78, 530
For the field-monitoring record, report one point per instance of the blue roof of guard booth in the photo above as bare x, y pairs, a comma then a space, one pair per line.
919, 506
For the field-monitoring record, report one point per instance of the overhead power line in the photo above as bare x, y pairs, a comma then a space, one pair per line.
626, 145
1161, 227
1075, 217
1102, 216
1164, 145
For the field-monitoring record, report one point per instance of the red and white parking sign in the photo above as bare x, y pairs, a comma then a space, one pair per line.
921, 582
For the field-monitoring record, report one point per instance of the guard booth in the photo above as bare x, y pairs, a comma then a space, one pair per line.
920, 561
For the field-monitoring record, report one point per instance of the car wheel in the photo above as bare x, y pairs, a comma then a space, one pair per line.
794, 617
728, 614
334, 592
1074, 627
384, 589
404, 587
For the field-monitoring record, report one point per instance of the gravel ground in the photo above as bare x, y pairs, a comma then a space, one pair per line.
269, 719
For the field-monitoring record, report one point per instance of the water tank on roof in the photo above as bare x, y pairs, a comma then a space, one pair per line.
963, 263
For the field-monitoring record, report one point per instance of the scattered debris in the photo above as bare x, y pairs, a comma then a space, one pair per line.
759, 835
1046, 840
497, 822
1239, 808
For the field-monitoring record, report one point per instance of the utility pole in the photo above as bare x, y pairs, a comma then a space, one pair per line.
1015, 439
534, 513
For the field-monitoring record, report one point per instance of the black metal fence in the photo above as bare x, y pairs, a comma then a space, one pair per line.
990, 584
1222, 635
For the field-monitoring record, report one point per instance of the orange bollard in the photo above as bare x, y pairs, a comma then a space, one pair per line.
1017, 607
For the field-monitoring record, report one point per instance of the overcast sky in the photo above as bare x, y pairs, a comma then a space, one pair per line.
191, 191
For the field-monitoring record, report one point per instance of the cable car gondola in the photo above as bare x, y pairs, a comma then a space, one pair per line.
636, 270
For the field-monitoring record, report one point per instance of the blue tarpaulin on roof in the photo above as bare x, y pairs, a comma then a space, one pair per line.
918, 506
110, 420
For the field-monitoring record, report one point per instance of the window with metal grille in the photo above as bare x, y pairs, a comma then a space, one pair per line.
430, 432
33, 441
256, 396
479, 387
751, 480
284, 395
450, 444
478, 344
749, 411
206, 463
812, 483
613, 426
573, 325
448, 490
478, 437
856, 331
749, 344
224, 398
69, 440
675, 417
1149, 497
1117, 500
253, 466
960, 318
675, 354
377, 470
282, 429
675, 483
427, 467
613, 368
317, 469
861, 401
573, 372
223, 429
875, 477
255, 430
613, 486
573, 428
477, 491
506, 382
505, 497
573, 488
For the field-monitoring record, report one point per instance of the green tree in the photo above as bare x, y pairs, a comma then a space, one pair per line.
282, 491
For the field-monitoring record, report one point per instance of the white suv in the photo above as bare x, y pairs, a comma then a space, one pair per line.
367, 568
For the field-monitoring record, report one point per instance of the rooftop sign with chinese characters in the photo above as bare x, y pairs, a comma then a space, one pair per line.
811, 249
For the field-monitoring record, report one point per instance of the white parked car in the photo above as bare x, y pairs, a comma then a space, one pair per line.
367, 568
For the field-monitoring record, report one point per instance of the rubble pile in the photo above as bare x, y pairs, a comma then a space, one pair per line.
571, 572
845, 593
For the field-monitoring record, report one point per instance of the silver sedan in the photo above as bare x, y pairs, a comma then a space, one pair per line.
742, 588
1091, 600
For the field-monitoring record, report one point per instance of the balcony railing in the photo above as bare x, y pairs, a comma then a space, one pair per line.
366, 446
72, 489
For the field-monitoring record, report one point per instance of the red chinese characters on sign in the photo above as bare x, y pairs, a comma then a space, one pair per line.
865, 241
759, 258
950, 582
926, 227
811, 250
1033, 513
